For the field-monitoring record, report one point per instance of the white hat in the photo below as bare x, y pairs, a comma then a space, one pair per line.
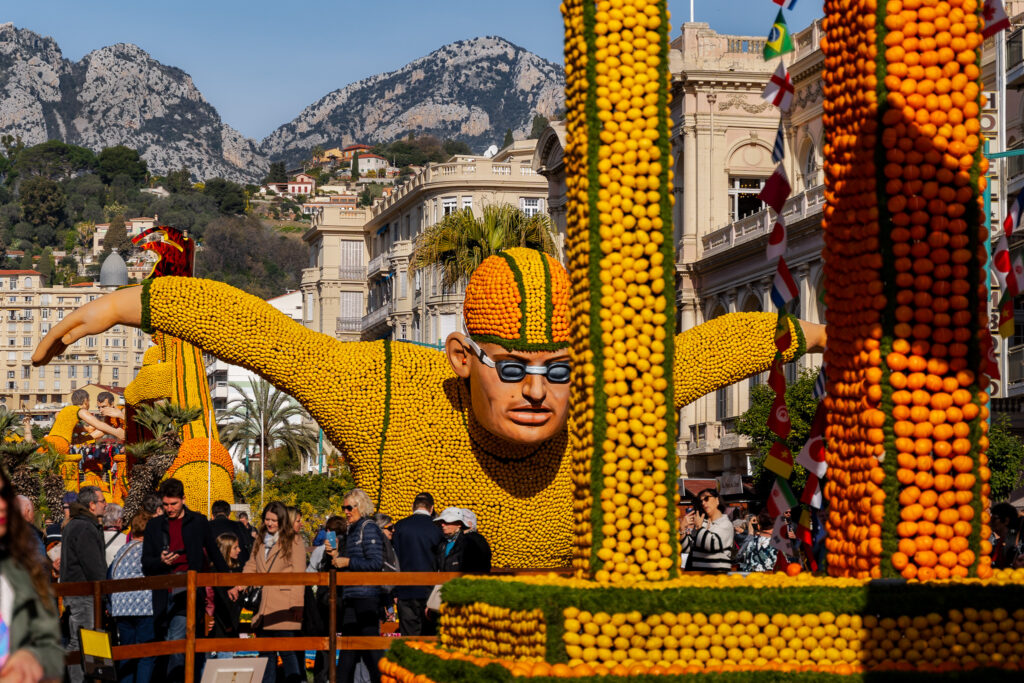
469, 517
452, 515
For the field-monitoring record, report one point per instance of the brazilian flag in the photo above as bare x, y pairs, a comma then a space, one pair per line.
779, 41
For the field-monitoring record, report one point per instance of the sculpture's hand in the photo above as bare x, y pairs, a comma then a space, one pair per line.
123, 307
814, 335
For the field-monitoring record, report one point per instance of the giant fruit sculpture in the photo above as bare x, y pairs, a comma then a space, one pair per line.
906, 269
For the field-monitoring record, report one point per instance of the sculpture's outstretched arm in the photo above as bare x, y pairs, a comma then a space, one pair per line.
734, 346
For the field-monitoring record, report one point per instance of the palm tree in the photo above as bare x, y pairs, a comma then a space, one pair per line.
164, 422
264, 418
460, 242
34, 469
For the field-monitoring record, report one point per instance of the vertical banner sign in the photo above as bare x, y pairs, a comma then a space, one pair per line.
621, 262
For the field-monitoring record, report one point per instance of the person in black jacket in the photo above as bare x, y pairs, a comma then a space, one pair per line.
415, 541
223, 524
82, 558
462, 549
176, 542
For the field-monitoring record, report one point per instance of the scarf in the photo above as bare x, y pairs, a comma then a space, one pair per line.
269, 541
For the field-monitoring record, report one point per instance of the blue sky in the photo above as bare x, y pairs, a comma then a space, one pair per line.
260, 63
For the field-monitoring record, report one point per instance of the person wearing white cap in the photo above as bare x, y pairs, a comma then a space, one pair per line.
463, 550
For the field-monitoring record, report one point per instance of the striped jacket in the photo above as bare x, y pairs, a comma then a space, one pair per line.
710, 546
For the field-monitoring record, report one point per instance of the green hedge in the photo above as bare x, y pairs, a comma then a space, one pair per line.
883, 598
456, 671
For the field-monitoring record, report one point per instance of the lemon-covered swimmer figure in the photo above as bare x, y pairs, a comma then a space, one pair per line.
481, 425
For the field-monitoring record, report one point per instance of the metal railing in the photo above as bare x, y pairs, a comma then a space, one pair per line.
352, 273
798, 207
378, 263
375, 317
343, 325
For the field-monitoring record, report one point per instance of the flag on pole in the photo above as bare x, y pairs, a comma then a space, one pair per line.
812, 492
1003, 267
780, 537
785, 4
779, 149
820, 384
779, 460
1006, 322
812, 455
1012, 219
1017, 273
803, 527
995, 18
777, 240
781, 498
778, 418
776, 189
779, 90
783, 337
779, 41
784, 288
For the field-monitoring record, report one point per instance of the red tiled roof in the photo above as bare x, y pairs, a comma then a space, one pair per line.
84, 284
356, 146
18, 272
371, 156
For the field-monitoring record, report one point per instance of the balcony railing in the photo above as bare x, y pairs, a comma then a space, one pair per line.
378, 264
352, 273
348, 325
376, 317
1015, 365
797, 208
1014, 165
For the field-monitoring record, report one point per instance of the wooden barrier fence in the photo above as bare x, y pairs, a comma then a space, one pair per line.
193, 581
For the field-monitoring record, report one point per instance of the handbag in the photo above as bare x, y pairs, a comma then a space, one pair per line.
250, 598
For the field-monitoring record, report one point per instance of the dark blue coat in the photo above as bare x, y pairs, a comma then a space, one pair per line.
364, 548
416, 539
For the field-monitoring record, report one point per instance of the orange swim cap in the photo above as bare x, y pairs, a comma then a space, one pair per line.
520, 300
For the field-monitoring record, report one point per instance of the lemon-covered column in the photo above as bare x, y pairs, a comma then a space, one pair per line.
619, 248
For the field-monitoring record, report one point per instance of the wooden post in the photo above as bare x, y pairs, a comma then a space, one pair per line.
190, 627
332, 627
97, 606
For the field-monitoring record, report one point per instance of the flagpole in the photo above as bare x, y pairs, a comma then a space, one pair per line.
691, 11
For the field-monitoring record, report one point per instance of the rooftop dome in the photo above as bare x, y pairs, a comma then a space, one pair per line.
114, 271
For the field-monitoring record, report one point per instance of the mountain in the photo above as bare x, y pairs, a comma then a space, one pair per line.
470, 90
117, 95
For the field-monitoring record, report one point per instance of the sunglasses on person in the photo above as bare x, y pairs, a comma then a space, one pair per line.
513, 370
348, 508
706, 498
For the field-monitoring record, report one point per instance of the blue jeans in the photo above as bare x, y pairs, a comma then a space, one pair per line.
174, 627
293, 670
134, 631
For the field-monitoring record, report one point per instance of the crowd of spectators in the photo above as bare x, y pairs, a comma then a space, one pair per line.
93, 542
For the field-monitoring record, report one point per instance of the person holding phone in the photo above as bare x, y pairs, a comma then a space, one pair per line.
709, 535
320, 561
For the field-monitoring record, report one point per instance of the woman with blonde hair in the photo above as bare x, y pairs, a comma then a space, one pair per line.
278, 550
364, 552
226, 612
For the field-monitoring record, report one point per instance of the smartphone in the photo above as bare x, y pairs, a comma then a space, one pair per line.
333, 538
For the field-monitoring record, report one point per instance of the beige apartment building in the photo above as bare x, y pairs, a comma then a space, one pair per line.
359, 285
28, 311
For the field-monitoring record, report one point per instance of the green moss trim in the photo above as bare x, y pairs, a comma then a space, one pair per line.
147, 322
801, 340
385, 423
972, 216
457, 671
599, 425
521, 284
891, 486
518, 344
549, 305
880, 598
668, 266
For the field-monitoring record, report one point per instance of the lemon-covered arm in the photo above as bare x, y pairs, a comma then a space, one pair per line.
335, 381
727, 349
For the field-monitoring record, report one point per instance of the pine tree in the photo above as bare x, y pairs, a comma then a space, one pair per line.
355, 166
508, 138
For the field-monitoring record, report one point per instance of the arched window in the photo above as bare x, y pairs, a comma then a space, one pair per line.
809, 165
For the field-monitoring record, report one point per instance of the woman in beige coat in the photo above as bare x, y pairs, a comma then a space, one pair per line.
279, 550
